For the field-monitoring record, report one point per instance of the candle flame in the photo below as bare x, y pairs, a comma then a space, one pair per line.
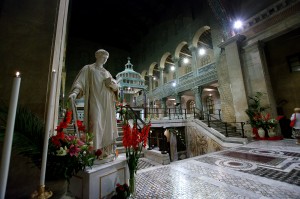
17, 74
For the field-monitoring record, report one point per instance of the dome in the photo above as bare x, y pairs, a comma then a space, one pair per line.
129, 80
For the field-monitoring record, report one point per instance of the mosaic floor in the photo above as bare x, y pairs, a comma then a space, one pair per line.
261, 169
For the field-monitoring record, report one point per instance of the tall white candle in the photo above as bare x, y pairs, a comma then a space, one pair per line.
6, 152
48, 126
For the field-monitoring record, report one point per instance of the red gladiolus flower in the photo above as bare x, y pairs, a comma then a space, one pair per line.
63, 125
68, 117
80, 125
56, 142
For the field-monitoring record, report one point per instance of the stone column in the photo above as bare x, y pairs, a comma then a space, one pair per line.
194, 59
198, 97
236, 79
150, 83
161, 76
178, 100
258, 74
176, 67
163, 103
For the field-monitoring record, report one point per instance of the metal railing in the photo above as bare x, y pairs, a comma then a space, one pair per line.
229, 129
214, 120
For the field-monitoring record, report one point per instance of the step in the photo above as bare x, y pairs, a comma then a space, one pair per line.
121, 150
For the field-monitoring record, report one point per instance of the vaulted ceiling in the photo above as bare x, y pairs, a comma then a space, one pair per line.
122, 24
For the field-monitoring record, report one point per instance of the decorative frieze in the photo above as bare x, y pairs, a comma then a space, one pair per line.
204, 75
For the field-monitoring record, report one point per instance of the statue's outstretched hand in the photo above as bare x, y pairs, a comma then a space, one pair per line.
72, 96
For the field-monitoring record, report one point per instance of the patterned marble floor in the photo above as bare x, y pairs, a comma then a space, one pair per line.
261, 169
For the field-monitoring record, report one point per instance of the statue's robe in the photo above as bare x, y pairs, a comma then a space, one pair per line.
99, 104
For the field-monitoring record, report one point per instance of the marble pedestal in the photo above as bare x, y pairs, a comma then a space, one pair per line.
99, 181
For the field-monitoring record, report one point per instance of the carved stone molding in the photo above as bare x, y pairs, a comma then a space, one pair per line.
205, 75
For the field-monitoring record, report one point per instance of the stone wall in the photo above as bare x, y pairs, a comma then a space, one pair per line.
199, 143
26, 42
286, 88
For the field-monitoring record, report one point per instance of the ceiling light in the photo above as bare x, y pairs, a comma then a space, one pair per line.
174, 84
154, 78
186, 60
238, 24
201, 51
172, 68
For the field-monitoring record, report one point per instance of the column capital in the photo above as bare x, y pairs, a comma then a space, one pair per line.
197, 89
175, 60
237, 38
192, 48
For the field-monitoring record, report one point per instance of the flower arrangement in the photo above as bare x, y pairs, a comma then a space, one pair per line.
70, 154
272, 123
122, 191
264, 121
258, 118
134, 140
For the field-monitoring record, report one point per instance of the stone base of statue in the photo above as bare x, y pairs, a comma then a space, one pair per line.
106, 159
99, 181
108, 154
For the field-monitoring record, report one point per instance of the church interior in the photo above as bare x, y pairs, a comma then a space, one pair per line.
217, 80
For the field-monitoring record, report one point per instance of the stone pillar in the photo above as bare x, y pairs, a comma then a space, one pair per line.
259, 77
194, 59
178, 103
161, 76
198, 97
176, 67
178, 98
150, 83
163, 103
236, 79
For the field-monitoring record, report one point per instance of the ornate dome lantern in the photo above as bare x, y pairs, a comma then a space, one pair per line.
130, 83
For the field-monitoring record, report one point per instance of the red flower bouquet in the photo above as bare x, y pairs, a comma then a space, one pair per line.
70, 154
134, 140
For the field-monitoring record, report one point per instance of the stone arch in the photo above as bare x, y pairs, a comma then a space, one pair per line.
152, 66
163, 60
178, 49
144, 74
190, 104
198, 34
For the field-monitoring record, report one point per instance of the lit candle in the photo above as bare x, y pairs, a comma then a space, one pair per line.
6, 152
48, 126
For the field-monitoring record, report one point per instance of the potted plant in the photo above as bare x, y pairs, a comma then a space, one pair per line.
257, 118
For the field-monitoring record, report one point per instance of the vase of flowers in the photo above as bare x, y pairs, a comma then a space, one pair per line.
69, 154
272, 123
122, 191
134, 140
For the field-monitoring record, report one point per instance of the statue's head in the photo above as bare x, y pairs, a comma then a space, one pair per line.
100, 53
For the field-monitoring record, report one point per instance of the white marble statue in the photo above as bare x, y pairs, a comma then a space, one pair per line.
100, 90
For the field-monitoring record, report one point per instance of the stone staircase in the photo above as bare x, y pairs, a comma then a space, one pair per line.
119, 142
219, 126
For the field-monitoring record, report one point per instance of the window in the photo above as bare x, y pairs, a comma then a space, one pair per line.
294, 62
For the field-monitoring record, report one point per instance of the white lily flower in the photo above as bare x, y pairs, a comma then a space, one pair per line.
62, 151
